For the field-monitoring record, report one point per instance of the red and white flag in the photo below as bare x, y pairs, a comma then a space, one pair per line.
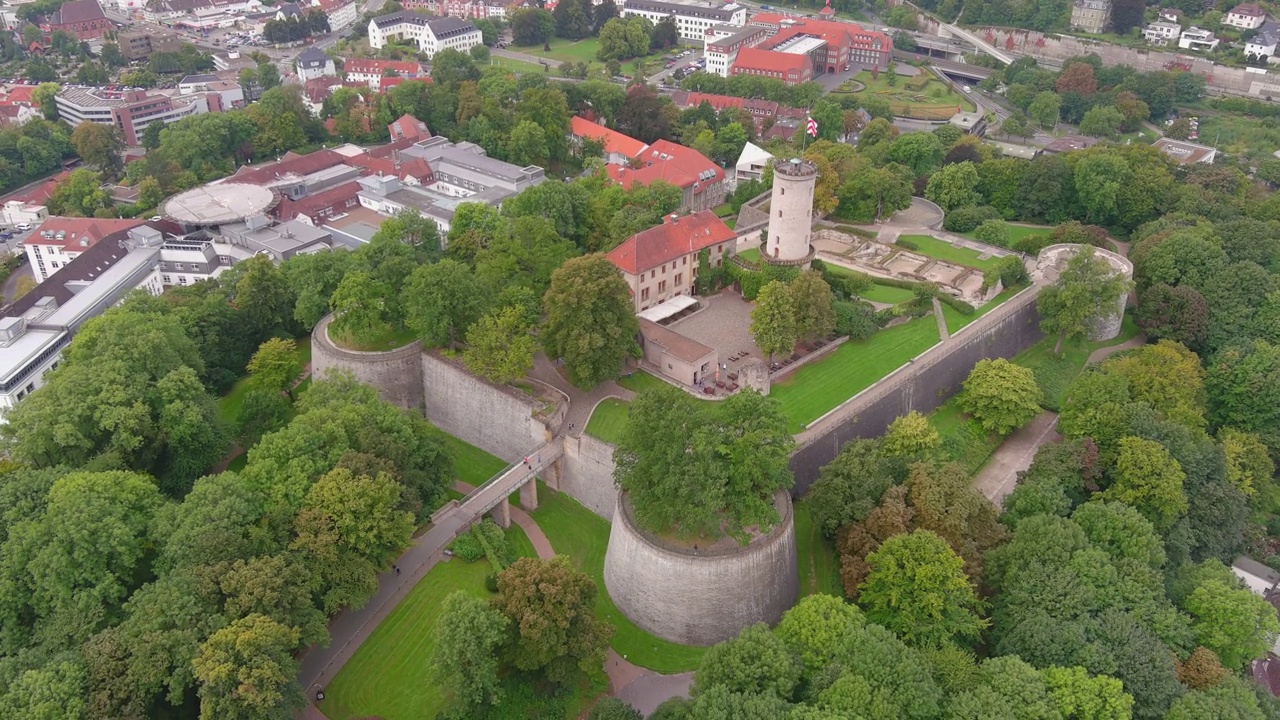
812, 127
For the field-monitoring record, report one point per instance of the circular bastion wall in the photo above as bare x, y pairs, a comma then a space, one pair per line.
1050, 263
703, 598
396, 374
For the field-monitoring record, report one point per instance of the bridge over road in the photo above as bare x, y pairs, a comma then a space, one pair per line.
348, 629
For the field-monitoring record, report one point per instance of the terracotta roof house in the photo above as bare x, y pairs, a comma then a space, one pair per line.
371, 71
410, 127
759, 62
82, 18
318, 209
618, 148
701, 180
662, 262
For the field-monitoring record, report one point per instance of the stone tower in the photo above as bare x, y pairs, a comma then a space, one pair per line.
791, 213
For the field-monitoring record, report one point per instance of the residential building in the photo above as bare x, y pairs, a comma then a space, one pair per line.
220, 94
701, 181
1184, 152
1260, 579
618, 148
37, 327
1246, 16
823, 47
82, 18
130, 111
692, 18
138, 45
371, 71
722, 43
284, 11
17, 104
16, 212
232, 60
322, 207
408, 127
1193, 38
200, 14
342, 13
431, 34
677, 356
662, 262
1263, 43
1169, 15
760, 110
1162, 33
751, 164
314, 63
1091, 16
59, 240
473, 9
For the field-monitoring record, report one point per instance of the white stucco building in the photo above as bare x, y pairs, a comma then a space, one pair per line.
431, 34
692, 19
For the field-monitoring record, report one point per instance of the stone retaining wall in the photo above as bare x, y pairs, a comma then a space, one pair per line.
396, 374
700, 599
586, 474
494, 418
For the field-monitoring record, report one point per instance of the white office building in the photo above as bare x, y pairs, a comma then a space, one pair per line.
431, 34
692, 19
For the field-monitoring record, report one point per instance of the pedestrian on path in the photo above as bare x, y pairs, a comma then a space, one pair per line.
526, 462
538, 459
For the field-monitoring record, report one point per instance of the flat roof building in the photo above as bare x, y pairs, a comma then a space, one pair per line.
692, 19
130, 111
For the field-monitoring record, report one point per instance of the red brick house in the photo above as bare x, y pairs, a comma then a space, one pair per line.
81, 18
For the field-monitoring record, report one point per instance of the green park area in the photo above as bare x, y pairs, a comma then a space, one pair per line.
517, 66
230, 403
1017, 232
956, 319
819, 565
945, 251
584, 50
609, 420
1055, 372
471, 465
923, 96
388, 338
388, 676
815, 389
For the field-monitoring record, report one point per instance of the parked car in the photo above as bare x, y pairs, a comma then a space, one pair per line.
23, 227
6, 235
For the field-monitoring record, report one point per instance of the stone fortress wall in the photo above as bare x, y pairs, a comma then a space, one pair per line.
705, 598
586, 474
395, 373
496, 419
1052, 259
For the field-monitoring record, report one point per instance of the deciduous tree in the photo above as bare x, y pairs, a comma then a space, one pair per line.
954, 186
441, 301
1087, 289
1234, 623
1147, 477
247, 672
500, 345
910, 436
590, 320
276, 365
773, 320
1000, 395
813, 304
757, 662
550, 605
917, 588
469, 635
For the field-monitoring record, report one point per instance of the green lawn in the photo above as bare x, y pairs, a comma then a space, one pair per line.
1017, 232
1055, 372
229, 405
956, 320
935, 94
389, 339
641, 380
877, 292
471, 465
608, 420
751, 255
388, 675
582, 535
939, 250
517, 66
566, 50
963, 439
819, 566
816, 388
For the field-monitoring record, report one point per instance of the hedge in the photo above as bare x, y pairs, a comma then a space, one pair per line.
906, 244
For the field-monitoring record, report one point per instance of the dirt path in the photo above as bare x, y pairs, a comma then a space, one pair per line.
1103, 353
999, 476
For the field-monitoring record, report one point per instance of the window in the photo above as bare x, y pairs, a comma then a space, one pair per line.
782, 191
679, 279
166, 280
31, 387
779, 213
182, 279
662, 286
644, 294
56, 264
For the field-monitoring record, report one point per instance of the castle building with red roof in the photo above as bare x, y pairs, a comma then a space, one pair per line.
662, 262
701, 181
794, 49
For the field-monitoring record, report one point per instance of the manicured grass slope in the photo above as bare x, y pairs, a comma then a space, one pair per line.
609, 419
816, 388
471, 465
388, 676
819, 566
940, 250
582, 535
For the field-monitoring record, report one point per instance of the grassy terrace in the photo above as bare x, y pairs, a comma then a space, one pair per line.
471, 465
819, 566
516, 66
877, 292
389, 339
388, 675
939, 250
1017, 232
956, 320
936, 100
609, 419
582, 535
813, 390
1054, 373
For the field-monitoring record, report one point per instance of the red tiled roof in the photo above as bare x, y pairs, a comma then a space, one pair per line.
614, 141
79, 234
372, 66
291, 164
1248, 9
671, 163
1267, 673
337, 195
317, 90
694, 99
400, 167
17, 95
39, 194
408, 126
769, 18
669, 241
77, 11
768, 60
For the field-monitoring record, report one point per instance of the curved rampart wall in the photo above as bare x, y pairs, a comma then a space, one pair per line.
397, 374
701, 599
1103, 327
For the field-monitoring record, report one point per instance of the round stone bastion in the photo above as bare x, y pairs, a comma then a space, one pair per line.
1053, 259
705, 597
396, 374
